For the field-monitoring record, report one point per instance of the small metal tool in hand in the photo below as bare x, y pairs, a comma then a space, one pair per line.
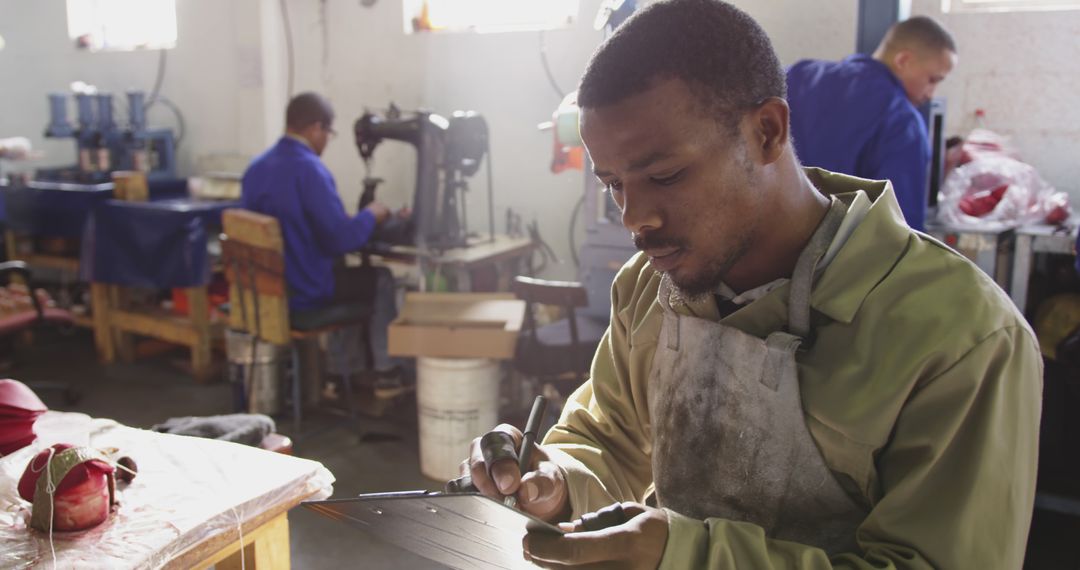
497, 445
536, 416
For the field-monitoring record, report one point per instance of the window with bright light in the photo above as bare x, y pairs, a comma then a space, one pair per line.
1008, 5
488, 15
122, 25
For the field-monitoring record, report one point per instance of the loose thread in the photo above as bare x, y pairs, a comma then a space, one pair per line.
50, 490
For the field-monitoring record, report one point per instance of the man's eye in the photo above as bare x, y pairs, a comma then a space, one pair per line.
613, 187
668, 180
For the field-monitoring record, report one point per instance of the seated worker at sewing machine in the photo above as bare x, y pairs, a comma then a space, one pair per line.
290, 183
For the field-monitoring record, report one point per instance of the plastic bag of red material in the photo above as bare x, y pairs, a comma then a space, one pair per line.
991, 186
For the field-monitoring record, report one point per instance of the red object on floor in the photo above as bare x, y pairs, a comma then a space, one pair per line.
217, 294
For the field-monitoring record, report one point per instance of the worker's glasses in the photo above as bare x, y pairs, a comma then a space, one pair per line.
330, 132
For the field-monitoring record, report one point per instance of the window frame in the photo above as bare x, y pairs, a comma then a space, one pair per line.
89, 22
1007, 6
563, 14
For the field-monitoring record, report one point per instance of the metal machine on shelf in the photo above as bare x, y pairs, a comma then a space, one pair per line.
103, 145
448, 152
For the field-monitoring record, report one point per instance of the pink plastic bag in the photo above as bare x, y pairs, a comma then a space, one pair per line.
992, 186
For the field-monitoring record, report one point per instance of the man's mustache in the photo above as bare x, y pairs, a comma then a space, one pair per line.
650, 241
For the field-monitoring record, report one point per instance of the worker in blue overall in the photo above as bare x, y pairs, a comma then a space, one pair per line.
859, 116
290, 183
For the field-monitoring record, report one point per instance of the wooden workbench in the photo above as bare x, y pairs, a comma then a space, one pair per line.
185, 509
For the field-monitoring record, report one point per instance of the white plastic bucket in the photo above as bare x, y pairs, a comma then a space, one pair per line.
458, 400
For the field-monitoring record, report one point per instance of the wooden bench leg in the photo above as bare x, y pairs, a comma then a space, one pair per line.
199, 313
268, 551
272, 547
103, 338
123, 342
11, 246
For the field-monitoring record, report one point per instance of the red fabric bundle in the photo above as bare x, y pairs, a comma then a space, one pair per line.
82, 499
19, 409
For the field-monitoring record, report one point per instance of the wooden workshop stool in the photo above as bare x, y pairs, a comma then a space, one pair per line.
253, 255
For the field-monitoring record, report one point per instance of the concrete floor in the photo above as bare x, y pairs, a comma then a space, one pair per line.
148, 392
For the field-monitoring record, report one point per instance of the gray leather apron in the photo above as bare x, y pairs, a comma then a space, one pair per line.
729, 436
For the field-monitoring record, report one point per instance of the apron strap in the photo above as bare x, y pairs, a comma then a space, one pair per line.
802, 280
780, 356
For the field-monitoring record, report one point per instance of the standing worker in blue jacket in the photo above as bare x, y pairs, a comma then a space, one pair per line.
290, 183
858, 116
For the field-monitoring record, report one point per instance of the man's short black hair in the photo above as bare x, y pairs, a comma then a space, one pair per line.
307, 109
919, 31
718, 50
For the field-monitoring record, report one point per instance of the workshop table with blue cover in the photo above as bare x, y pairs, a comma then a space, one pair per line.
160, 244
56, 210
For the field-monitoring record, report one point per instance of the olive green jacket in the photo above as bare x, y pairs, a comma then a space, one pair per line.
922, 390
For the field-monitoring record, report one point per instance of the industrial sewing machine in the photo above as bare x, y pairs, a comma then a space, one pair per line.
448, 152
103, 146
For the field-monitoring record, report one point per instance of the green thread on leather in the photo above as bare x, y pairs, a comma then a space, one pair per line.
41, 516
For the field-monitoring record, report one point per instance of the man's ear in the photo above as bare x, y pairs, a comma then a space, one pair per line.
903, 58
769, 129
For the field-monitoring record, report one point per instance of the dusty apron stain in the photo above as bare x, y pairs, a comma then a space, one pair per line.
729, 436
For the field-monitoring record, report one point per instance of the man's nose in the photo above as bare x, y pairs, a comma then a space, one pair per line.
639, 212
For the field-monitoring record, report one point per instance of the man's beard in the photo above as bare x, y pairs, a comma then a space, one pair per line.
707, 281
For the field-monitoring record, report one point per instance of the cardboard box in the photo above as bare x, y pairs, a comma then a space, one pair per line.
457, 325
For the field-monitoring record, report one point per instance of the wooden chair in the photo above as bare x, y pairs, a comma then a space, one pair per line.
563, 347
253, 255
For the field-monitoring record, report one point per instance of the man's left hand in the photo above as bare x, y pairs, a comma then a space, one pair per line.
636, 544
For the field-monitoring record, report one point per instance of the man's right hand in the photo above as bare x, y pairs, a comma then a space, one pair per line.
380, 211
542, 491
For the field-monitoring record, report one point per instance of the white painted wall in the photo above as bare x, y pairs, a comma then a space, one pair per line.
214, 75
801, 29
